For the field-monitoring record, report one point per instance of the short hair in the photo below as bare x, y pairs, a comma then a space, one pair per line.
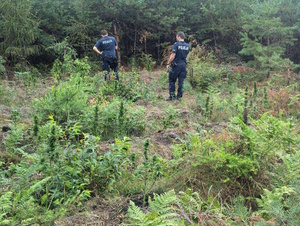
181, 35
103, 32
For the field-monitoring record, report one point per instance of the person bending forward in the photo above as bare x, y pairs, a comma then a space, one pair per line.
106, 47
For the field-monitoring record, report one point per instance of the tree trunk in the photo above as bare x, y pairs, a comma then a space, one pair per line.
117, 39
134, 44
146, 45
158, 49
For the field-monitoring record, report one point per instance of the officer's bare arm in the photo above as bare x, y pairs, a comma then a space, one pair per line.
97, 50
171, 59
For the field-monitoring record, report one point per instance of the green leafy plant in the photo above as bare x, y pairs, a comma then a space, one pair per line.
2, 68
96, 120
186, 208
118, 120
21, 207
161, 211
14, 139
149, 171
65, 102
171, 118
279, 203
147, 61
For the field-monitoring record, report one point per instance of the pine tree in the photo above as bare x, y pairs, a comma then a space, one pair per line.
266, 37
19, 29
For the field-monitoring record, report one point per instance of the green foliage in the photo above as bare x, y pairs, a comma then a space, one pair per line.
117, 121
19, 30
2, 68
59, 160
205, 72
266, 102
14, 139
149, 171
282, 201
59, 174
264, 29
239, 211
161, 211
65, 63
129, 88
28, 78
147, 61
51, 149
35, 126
66, 101
113, 163
205, 75
244, 156
246, 97
56, 70
82, 67
95, 121
265, 36
278, 204
208, 107
21, 207
186, 208
255, 89
171, 119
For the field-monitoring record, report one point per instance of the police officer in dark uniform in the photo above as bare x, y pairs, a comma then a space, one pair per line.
106, 47
177, 66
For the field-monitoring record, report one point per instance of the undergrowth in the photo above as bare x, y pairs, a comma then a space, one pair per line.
231, 144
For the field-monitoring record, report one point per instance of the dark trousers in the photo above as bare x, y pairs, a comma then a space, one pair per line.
110, 63
177, 72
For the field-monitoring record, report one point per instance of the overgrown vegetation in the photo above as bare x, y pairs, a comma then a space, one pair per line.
73, 143
235, 148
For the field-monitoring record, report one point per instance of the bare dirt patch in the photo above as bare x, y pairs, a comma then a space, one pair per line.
100, 212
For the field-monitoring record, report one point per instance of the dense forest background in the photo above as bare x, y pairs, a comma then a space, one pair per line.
259, 32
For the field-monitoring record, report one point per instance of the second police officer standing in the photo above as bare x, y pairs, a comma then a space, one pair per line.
177, 62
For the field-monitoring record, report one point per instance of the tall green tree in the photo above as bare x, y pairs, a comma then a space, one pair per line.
290, 16
265, 37
19, 30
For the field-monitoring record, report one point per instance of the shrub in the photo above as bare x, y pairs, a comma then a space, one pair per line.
66, 101
205, 72
147, 61
186, 208
117, 122
2, 61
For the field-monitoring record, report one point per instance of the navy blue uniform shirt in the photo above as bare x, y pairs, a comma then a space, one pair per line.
181, 49
107, 45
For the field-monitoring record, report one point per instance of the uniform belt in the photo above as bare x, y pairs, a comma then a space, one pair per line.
110, 57
181, 63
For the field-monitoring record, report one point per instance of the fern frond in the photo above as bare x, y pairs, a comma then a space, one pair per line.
164, 206
162, 203
38, 185
23, 171
191, 201
137, 217
26, 155
5, 202
162, 211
